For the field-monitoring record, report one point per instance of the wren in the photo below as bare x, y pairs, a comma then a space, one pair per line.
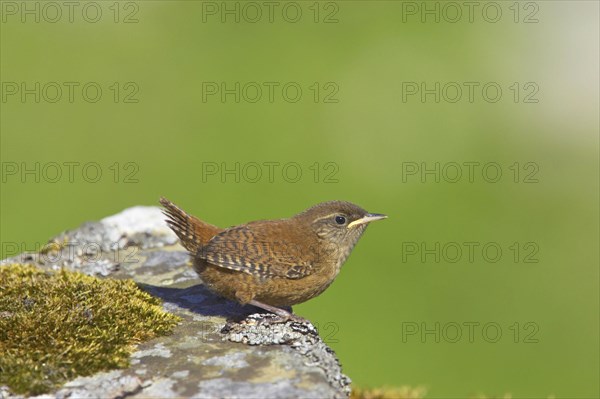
272, 263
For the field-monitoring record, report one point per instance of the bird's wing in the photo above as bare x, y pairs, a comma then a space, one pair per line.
251, 250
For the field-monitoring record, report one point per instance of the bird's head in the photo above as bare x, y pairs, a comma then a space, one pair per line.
339, 224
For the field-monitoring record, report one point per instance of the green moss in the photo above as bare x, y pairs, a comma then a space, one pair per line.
404, 392
407, 392
55, 326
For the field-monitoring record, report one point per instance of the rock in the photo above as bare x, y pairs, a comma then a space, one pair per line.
218, 350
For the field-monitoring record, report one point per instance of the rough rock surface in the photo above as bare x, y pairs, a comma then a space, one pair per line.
217, 351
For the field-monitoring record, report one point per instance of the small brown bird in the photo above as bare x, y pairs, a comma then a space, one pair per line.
272, 263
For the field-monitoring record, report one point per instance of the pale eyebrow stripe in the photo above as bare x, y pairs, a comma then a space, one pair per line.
328, 216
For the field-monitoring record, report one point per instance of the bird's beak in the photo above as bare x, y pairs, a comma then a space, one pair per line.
369, 217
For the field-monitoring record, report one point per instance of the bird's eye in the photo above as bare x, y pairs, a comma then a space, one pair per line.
340, 220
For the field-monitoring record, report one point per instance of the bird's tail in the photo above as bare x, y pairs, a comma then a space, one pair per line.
193, 232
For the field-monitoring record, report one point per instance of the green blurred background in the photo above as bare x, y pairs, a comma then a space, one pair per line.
369, 54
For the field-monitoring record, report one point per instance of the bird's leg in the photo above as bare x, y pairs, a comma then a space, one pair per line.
283, 315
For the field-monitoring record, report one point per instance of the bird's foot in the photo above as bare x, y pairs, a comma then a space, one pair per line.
277, 315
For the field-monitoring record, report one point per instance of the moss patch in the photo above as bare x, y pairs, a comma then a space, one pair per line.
388, 393
55, 326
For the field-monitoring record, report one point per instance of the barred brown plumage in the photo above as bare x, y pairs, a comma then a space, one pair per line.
236, 249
